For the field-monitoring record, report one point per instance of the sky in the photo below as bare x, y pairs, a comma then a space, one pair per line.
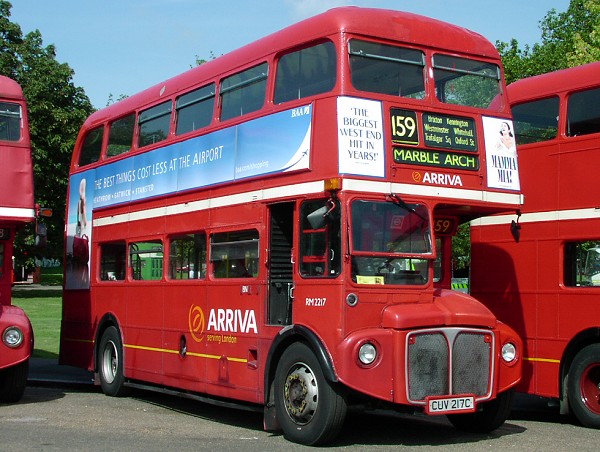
122, 47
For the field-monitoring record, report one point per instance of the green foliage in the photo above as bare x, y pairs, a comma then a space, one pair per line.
57, 108
568, 39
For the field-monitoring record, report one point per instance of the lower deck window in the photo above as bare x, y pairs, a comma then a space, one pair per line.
187, 257
112, 261
234, 254
146, 260
582, 264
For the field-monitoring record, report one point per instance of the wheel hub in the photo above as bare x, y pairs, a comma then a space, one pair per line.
301, 395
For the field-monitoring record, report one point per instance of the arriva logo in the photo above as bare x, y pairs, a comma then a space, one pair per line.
437, 178
221, 321
196, 323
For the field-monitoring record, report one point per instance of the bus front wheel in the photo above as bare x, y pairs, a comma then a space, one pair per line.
490, 416
110, 363
583, 386
310, 409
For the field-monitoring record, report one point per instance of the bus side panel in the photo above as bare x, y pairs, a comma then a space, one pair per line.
16, 185
517, 281
233, 316
185, 362
77, 330
142, 331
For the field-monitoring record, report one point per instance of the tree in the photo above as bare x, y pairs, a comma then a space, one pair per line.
57, 108
568, 39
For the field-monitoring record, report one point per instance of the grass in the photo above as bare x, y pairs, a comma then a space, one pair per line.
43, 307
52, 276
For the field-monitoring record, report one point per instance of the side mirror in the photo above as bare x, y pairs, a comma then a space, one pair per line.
317, 218
515, 230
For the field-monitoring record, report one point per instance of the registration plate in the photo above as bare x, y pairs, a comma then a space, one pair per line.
451, 404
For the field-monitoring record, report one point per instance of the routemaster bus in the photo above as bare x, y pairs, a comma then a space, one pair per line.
16, 210
272, 228
547, 286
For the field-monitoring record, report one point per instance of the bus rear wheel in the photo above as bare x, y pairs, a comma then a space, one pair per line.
13, 381
583, 386
310, 409
110, 363
490, 416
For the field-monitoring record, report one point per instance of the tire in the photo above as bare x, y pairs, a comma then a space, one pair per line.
310, 409
583, 386
110, 364
490, 415
13, 381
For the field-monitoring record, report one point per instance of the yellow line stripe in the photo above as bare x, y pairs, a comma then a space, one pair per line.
543, 360
85, 341
176, 352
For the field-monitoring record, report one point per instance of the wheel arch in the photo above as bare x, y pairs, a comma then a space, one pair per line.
286, 337
107, 321
576, 344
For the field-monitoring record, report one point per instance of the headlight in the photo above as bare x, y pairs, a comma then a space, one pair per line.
509, 352
12, 337
367, 354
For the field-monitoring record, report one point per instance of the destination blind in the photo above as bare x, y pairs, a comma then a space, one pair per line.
449, 132
454, 133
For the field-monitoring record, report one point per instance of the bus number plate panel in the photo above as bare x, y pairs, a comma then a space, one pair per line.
450, 404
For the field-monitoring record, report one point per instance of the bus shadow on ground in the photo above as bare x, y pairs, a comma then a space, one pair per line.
378, 428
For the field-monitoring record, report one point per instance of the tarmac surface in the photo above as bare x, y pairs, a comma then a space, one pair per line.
48, 371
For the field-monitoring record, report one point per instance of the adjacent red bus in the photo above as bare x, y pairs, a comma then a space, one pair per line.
16, 210
273, 227
547, 286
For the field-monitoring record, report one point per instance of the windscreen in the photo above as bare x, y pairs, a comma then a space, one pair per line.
391, 242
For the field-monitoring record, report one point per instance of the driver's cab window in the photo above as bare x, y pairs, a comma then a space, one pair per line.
320, 242
390, 242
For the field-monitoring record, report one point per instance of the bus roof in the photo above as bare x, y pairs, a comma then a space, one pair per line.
544, 85
9, 89
398, 26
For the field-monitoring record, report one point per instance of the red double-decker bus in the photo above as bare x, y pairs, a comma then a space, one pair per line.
273, 227
547, 286
16, 210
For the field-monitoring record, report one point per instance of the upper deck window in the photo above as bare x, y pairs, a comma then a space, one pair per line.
195, 109
10, 121
461, 81
583, 112
305, 73
386, 69
244, 92
536, 121
120, 136
91, 147
154, 124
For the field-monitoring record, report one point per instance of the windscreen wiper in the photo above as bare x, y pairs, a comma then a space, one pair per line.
393, 197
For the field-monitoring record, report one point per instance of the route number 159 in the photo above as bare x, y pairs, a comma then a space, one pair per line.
404, 126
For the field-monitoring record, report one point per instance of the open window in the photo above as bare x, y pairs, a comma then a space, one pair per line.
320, 242
146, 260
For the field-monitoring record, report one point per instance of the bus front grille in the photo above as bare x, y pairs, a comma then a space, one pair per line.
449, 361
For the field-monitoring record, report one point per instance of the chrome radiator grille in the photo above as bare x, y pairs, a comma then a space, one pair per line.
449, 361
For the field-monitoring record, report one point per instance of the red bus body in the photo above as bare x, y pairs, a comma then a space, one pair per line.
546, 286
315, 229
16, 209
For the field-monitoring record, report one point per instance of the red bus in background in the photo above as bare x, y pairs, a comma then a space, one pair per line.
547, 286
273, 227
16, 209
